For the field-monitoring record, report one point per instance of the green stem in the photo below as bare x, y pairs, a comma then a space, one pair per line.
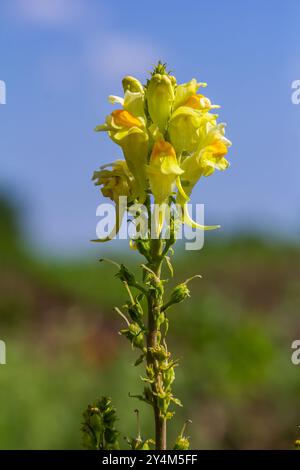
154, 306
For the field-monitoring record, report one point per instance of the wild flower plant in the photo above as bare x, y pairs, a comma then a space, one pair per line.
170, 138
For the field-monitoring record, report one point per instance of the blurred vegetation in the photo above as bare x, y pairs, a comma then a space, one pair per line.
233, 339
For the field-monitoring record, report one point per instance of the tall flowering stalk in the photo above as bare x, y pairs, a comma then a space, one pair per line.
170, 138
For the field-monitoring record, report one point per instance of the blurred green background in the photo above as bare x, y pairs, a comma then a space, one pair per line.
233, 339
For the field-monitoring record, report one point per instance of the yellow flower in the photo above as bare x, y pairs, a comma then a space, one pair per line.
160, 97
184, 129
213, 158
212, 149
169, 138
187, 120
163, 170
126, 127
115, 182
133, 103
200, 102
119, 185
187, 117
209, 156
123, 118
184, 91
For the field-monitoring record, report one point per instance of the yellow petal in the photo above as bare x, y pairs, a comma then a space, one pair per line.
170, 166
116, 100
185, 90
218, 148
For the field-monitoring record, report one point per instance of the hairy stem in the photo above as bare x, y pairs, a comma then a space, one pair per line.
154, 306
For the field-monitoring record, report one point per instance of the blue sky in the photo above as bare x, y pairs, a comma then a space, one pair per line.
60, 60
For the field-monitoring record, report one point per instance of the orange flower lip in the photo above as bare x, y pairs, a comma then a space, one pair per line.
161, 147
124, 119
194, 102
218, 148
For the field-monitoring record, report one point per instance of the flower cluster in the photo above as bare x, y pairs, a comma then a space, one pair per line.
170, 138
98, 427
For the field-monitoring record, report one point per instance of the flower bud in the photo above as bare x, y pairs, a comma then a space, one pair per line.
126, 276
135, 335
179, 294
135, 312
159, 353
160, 97
98, 431
169, 377
132, 84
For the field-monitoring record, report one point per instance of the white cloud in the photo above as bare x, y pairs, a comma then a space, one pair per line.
47, 12
103, 53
